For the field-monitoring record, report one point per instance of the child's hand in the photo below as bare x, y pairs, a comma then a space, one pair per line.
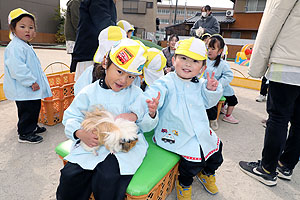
212, 83
152, 105
88, 137
35, 86
128, 116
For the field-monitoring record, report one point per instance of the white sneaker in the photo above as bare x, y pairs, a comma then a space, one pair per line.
214, 124
261, 98
230, 119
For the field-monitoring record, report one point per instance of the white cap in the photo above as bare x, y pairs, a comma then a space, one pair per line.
107, 38
125, 25
154, 66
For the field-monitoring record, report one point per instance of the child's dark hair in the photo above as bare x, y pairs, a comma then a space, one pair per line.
13, 23
217, 39
204, 36
99, 71
172, 36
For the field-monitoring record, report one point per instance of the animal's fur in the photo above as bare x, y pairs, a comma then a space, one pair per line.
117, 135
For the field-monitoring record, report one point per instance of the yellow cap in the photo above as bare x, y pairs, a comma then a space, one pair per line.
193, 48
107, 38
129, 55
16, 13
154, 66
125, 25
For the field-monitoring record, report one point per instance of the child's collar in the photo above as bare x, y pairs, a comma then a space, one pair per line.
102, 83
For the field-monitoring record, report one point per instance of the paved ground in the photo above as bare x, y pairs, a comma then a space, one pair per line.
31, 172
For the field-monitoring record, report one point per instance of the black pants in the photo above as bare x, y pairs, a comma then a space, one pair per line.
264, 86
212, 113
104, 181
283, 107
28, 114
189, 169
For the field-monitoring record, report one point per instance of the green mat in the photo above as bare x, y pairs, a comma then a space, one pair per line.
157, 163
147, 43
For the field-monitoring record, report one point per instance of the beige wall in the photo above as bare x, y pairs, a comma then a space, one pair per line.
240, 5
145, 21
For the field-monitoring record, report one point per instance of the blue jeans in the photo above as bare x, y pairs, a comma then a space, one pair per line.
283, 106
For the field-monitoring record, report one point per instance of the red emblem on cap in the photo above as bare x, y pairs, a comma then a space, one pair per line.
123, 56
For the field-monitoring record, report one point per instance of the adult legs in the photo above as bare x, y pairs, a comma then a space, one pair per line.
280, 107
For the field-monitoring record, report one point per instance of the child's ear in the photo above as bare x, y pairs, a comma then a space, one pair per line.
173, 60
104, 61
220, 51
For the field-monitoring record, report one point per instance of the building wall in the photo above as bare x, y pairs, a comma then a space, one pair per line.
44, 11
142, 21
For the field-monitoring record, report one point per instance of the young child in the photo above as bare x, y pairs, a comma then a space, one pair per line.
108, 174
24, 79
183, 127
224, 75
126, 26
108, 37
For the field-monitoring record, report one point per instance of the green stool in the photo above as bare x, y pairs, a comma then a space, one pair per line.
155, 177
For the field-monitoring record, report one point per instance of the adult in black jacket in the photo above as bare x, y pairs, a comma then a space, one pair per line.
95, 15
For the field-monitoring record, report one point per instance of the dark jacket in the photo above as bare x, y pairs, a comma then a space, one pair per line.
72, 19
210, 24
95, 15
169, 56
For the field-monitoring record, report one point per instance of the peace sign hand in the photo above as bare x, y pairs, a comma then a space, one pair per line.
152, 105
212, 83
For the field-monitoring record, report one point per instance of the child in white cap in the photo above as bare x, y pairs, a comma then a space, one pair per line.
126, 26
107, 38
183, 126
108, 174
24, 79
153, 69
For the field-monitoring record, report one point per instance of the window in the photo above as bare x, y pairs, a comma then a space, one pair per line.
164, 21
149, 5
235, 34
253, 35
255, 5
133, 6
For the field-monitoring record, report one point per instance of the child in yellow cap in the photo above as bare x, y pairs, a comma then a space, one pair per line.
183, 126
108, 174
107, 38
24, 79
126, 26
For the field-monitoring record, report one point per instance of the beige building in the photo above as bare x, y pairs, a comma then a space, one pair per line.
140, 13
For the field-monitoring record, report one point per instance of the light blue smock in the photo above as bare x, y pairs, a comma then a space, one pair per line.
84, 79
117, 103
22, 68
183, 122
223, 74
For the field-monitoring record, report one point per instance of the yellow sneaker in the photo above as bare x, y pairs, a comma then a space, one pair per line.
208, 182
183, 193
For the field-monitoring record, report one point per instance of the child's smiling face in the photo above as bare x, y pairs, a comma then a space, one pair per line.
187, 68
25, 29
117, 79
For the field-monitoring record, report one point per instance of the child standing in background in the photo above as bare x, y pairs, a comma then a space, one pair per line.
183, 127
108, 174
24, 79
126, 26
223, 73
